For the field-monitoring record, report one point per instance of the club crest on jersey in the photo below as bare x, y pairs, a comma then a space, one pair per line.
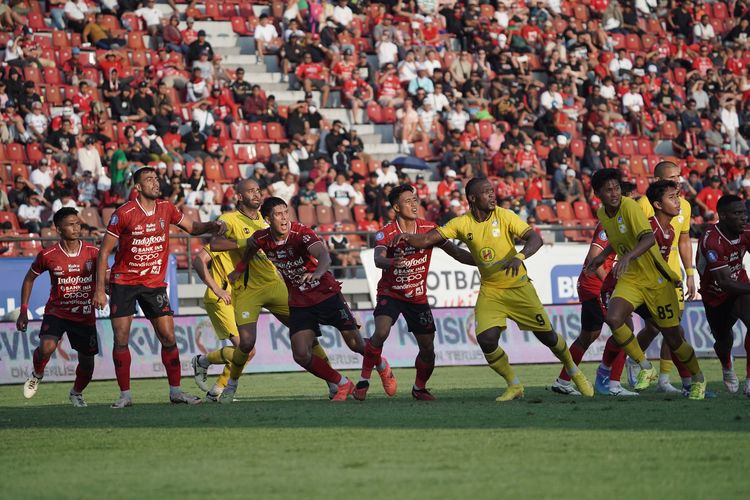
89, 265
487, 254
306, 238
711, 256
161, 223
114, 220
246, 230
495, 233
621, 225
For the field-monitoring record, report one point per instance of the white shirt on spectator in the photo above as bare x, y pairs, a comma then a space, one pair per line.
701, 99
389, 176
152, 17
58, 204
730, 120
89, 161
40, 178
551, 99
37, 122
343, 15
426, 117
76, 10
266, 33
407, 71
457, 120
30, 212
439, 102
387, 53
341, 193
607, 91
631, 99
204, 118
617, 65
502, 18
284, 191
703, 33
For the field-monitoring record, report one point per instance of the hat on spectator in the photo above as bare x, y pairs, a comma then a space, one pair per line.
420, 177
347, 52
745, 183
44, 161
202, 33
570, 173
150, 128
562, 140
198, 167
75, 51
652, 68
455, 203
177, 167
623, 159
595, 138
190, 20
715, 178
428, 20
216, 87
450, 173
90, 140
259, 165
161, 165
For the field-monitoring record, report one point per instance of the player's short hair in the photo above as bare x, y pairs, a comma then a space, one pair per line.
60, 215
398, 191
473, 185
725, 201
627, 187
266, 209
656, 190
139, 173
662, 166
601, 177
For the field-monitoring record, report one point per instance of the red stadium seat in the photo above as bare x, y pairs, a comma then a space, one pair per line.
212, 171
545, 214
324, 214
641, 184
633, 43
565, 211
627, 148
60, 39
240, 27
231, 171
15, 152
275, 132
669, 130
342, 214
10, 217
638, 166
256, 132
582, 210
307, 216
34, 152
577, 148
359, 168
262, 152
359, 212
645, 147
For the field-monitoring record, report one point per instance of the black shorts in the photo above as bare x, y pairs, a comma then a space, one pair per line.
418, 316
721, 319
592, 315
153, 301
333, 311
82, 337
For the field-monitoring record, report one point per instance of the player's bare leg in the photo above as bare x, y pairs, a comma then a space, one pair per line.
425, 364
372, 358
39, 358
724, 340
618, 311
559, 348
685, 353
121, 359
577, 349
497, 359
170, 356
302, 346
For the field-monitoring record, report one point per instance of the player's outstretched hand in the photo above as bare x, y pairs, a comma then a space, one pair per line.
100, 299
22, 322
225, 297
622, 266
221, 227
511, 266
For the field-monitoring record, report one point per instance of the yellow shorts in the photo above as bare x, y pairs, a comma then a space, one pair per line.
249, 301
661, 301
222, 318
522, 305
680, 298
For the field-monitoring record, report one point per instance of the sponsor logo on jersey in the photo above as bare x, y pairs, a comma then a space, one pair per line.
114, 220
711, 256
603, 235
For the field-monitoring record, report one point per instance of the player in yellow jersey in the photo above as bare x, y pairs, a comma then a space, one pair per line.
642, 278
682, 250
260, 287
506, 291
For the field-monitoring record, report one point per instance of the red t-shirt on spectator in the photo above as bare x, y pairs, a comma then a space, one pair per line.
702, 64
344, 70
710, 197
313, 71
390, 86
445, 188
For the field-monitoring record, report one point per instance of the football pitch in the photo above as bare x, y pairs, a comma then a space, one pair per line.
284, 439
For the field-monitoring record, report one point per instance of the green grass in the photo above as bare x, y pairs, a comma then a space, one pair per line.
283, 439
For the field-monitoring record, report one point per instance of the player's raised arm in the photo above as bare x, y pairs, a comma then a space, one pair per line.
251, 248
108, 245
319, 251
424, 240
195, 228
532, 243
222, 244
23, 317
200, 264
460, 254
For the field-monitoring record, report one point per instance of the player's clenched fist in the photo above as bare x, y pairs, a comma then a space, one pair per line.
100, 299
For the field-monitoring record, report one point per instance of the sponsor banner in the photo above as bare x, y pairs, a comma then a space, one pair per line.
13, 270
554, 270
455, 344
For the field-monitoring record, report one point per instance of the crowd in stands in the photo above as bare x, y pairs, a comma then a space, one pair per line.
535, 95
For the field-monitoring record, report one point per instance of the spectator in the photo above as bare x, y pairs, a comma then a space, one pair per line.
75, 14
36, 123
241, 90
285, 189
708, 197
259, 174
341, 191
86, 191
89, 160
173, 37
267, 39
313, 76
341, 254
152, 18
20, 193
307, 194
447, 185
96, 34
570, 189
30, 214
42, 176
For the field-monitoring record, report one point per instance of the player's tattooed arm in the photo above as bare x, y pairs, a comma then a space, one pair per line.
384, 262
108, 245
725, 281
460, 254
596, 262
23, 317
320, 252
251, 248
201, 265
424, 240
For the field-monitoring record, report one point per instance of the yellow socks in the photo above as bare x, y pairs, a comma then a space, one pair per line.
665, 366
239, 360
498, 361
221, 356
560, 349
686, 354
222, 380
626, 340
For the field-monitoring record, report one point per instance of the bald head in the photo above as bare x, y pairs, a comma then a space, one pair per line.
248, 195
666, 170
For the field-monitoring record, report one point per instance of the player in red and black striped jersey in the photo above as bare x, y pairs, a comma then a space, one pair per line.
592, 310
725, 288
140, 231
402, 290
72, 271
314, 294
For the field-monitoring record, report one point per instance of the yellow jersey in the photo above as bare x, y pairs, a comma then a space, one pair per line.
261, 271
681, 225
219, 273
491, 243
624, 230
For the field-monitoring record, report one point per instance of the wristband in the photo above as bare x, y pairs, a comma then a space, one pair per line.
242, 243
241, 267
520, 256
690, 271
24, 308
